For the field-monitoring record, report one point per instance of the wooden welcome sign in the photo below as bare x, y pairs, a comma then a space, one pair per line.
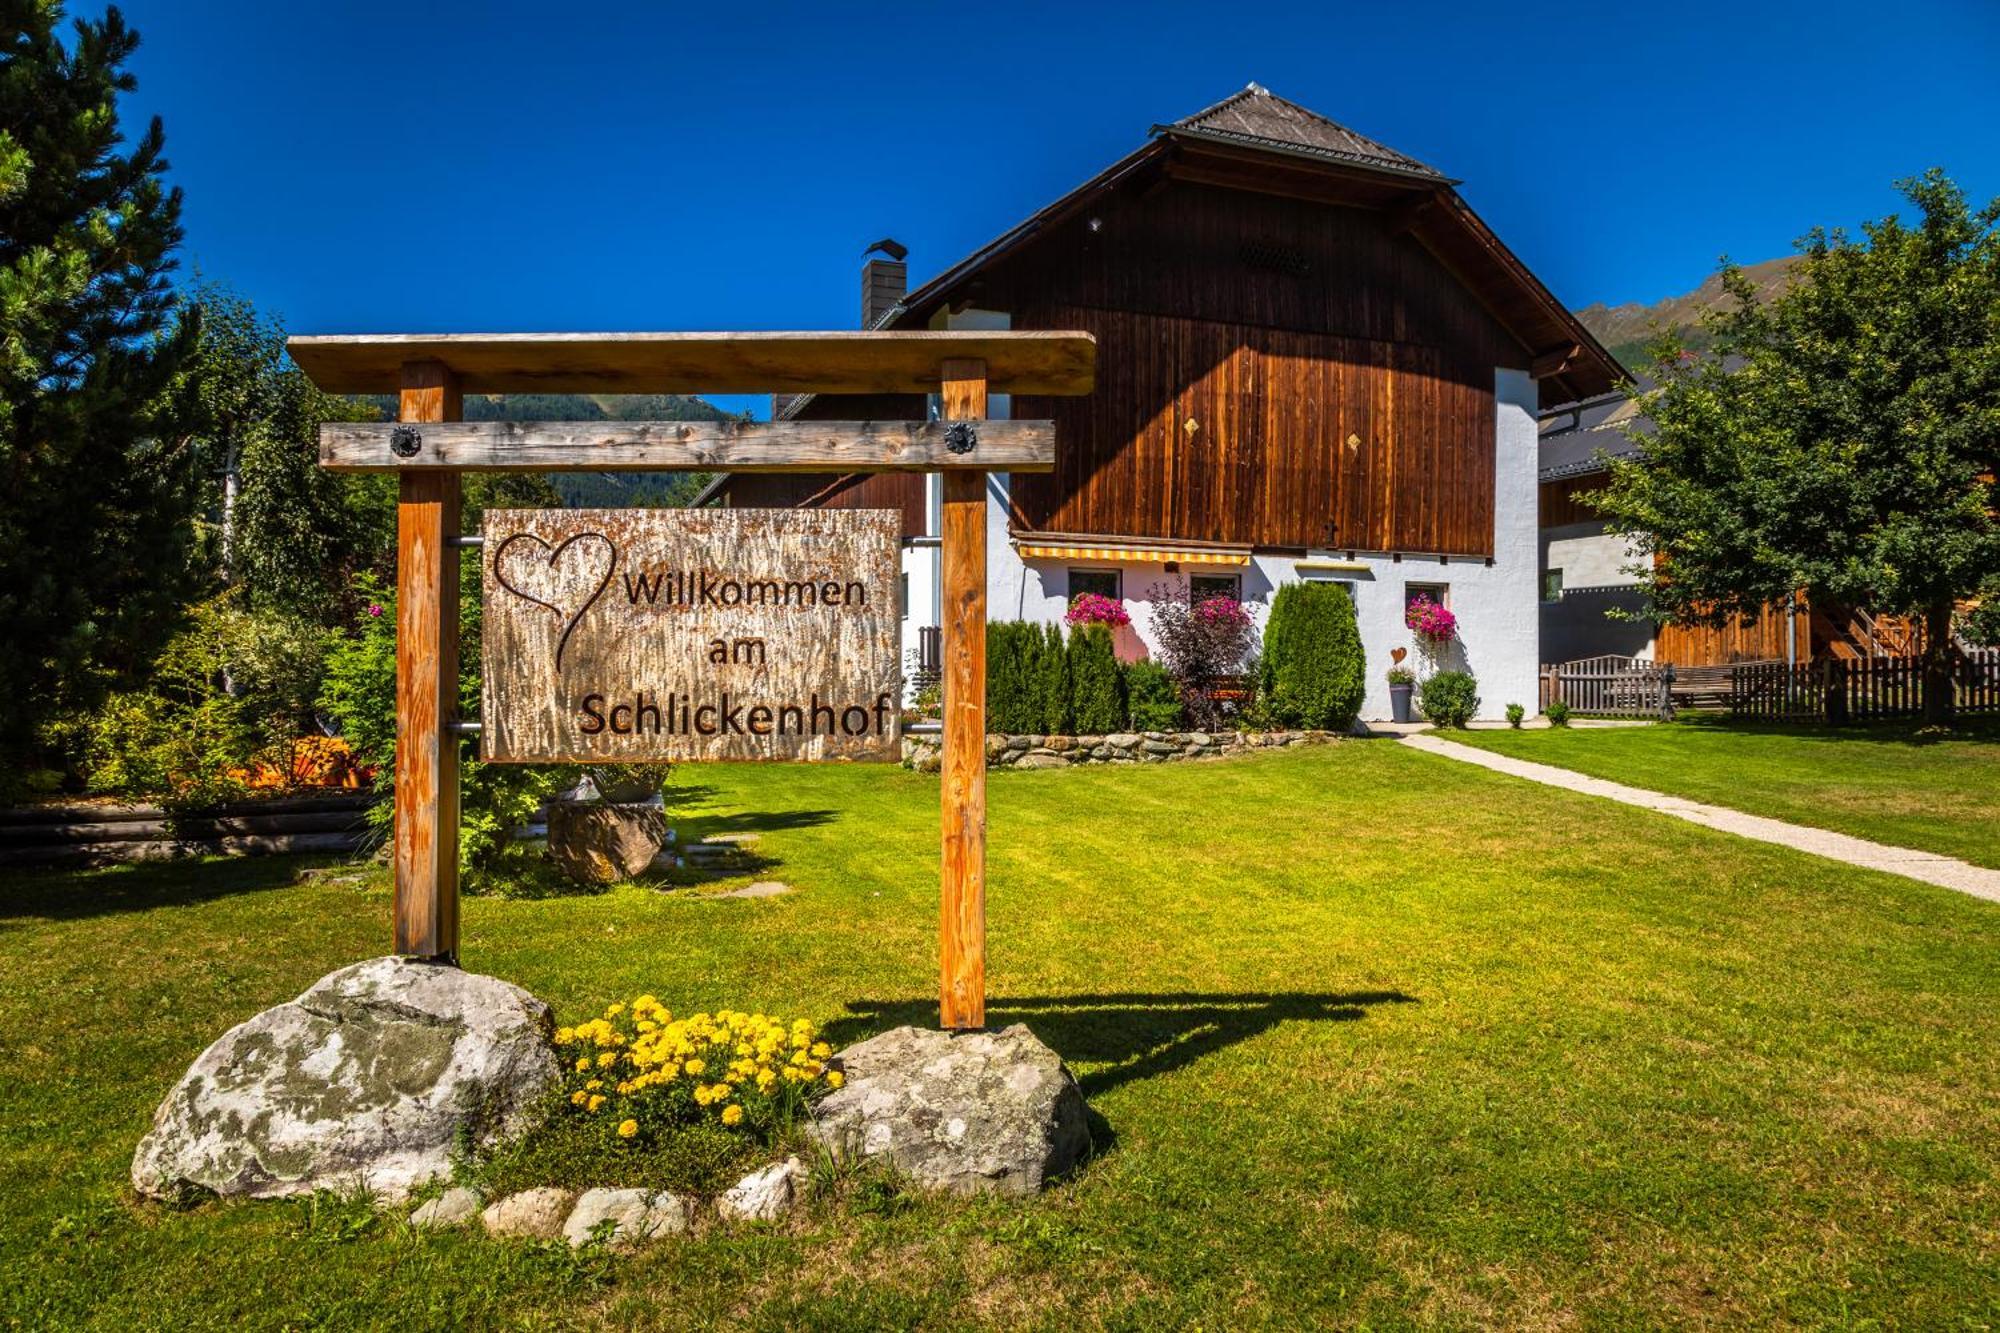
642, 634
627, 635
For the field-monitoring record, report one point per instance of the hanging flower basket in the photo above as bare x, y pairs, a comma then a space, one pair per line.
1430, 620
1090, 608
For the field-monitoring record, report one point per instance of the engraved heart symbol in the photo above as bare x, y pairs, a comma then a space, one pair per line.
558, 583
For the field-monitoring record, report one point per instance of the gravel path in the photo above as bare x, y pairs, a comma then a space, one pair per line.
1929, 867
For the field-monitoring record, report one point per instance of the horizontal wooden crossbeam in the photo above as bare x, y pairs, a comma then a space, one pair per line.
697, 446
840, 362
691, 447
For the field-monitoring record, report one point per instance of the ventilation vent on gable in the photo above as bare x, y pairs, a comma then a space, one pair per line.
1276, 258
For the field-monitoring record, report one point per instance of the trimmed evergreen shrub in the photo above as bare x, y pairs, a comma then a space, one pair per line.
1313, 667
1052, 670
1450, 698
1013, 690
1097, 686
1153, 700
1557, 713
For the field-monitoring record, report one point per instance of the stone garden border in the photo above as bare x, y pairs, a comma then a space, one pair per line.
921, 751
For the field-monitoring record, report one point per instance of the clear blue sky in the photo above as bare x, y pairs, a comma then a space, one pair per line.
428, 165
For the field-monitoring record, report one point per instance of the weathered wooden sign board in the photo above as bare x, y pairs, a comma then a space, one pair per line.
634, 635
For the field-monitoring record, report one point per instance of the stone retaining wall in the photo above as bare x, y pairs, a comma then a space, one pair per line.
1125, 747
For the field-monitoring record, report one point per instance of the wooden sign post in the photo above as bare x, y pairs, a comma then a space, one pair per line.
424, 840
962, 764
558, 566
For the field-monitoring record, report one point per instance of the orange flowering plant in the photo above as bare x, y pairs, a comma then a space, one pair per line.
639, 1072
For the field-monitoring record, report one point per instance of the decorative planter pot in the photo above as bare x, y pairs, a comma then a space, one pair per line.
1399, 702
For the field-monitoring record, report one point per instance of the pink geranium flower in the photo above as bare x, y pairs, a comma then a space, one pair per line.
1089, 608
1430, 619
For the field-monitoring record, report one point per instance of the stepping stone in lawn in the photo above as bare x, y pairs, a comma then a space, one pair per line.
763, 888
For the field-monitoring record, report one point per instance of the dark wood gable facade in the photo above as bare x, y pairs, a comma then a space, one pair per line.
1296, 347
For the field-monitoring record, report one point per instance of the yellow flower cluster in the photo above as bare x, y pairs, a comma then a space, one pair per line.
730, 1064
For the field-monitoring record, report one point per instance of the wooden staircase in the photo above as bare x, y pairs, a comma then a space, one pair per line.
1852, 634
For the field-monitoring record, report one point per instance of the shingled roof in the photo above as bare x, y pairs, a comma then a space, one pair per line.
1259, 118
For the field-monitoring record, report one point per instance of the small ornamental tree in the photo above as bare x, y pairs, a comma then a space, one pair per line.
1313, 668
1199, 646
1097, 685
1842, 439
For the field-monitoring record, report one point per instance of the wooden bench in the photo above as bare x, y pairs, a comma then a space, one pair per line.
1704, 686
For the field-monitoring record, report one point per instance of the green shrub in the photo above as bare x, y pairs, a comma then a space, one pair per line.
1311, 673
229, 687
1153, 700
1013, 695
1052, 672
1514, 715
1450, 698
359, 693
1557, 713
1097, 686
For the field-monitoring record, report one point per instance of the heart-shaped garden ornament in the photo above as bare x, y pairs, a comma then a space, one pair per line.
1397, 655
566, 579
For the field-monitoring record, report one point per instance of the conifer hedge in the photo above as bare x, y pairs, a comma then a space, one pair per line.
1039, 683
1097, 683
1052, 671
1013, 693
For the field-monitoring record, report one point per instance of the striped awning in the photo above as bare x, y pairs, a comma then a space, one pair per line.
1113, 551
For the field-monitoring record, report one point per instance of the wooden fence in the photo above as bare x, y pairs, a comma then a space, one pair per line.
1860, 689
1611, 686
99, 834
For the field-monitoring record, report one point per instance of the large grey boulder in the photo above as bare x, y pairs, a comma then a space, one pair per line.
966, 1112
369, 1080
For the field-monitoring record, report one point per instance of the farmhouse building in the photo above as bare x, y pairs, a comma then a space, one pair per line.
1315, 361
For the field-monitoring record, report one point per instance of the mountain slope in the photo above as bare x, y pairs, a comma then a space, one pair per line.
1626, 329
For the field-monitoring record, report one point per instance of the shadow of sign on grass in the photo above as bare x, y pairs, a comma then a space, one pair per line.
1122, 1036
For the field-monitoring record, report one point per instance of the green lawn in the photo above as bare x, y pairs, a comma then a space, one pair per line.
1375, 1038
1876, 782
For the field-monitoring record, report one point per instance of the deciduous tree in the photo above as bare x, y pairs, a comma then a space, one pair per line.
1842, 438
